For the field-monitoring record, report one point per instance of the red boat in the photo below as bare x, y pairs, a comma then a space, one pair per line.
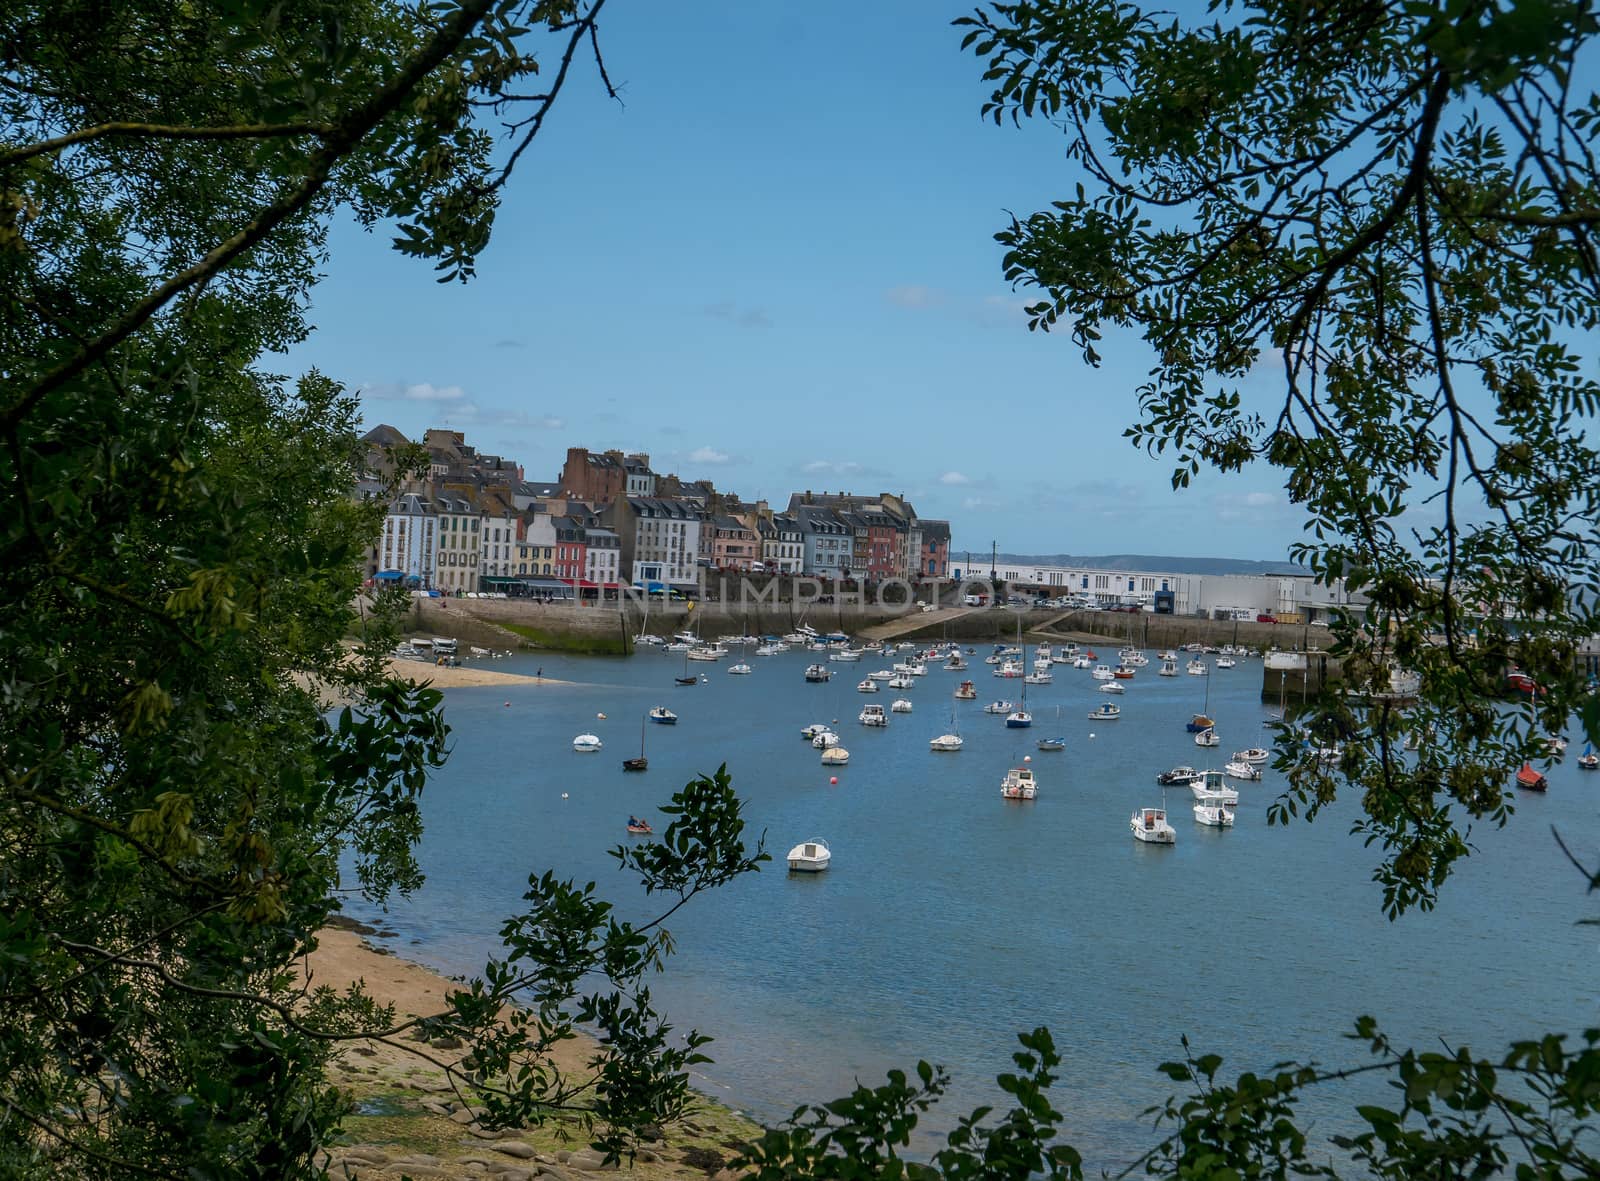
1523, 683
1530, 779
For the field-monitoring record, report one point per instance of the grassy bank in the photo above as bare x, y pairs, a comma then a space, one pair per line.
566, 641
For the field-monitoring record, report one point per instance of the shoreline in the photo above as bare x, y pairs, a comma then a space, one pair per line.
462, 676
409, 1121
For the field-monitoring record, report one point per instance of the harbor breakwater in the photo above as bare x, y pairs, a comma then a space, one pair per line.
609, 628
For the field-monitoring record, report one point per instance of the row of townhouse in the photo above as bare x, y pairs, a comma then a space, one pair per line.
459, 540
462, 521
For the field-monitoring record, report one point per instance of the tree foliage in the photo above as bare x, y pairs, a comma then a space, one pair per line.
179, 566
1358, 240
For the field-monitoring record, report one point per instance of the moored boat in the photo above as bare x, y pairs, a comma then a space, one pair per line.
663, 716
1214, 815
900, 705
1105, 712
1150, 826
1179, 776
1019, 784
1052, 744
817, 672
873, 715
966, 692
810, 857
1211, 788
835, 756
1530, 779
867, 686
1240, 770
1207, 737
586, 743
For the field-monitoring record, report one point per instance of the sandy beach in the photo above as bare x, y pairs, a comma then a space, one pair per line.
409, 1121
462, 676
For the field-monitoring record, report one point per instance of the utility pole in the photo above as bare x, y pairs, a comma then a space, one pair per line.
994, 551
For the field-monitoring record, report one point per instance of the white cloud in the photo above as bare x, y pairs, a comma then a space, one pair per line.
980, 504
954, 478
421, 391
709, 455
1261, 499
914, 295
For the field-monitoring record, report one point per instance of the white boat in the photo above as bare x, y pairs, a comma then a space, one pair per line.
1018, 784
966, 692
586, 743
1150, 825
948, 743
1197, 668
918, 668
1166, 654
1180, 777
882, 674
1211, 788
835, 756
1253, 755
1133, 658
643, 638
900, 706
1019, 719
817, 672
872, 715
796, 638
1329, 754
810, 857
1082, 662
1010, 668
1226, 662
739, 670
901, 681
999, 707
1042, 652
867, 686
991, 659
1102, 672
1105, 712
1207, 737
704, 654
663, 716
811, 731
679, 646
956, 663
772, 649
1215, 815
1242, 771
823, 739
845, 655
1039, 676
1052, 744
1112, 687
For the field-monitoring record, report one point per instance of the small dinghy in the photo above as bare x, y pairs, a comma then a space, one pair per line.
1531, 780
1052, 744
635, 825
810, 857
586, 743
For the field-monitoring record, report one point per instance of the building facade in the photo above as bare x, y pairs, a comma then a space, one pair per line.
406, 545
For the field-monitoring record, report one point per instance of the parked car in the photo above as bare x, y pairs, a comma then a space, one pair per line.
1265, 618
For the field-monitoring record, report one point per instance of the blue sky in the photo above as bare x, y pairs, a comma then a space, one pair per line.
774, 267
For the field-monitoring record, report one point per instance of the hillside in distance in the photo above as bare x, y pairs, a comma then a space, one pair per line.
1151, 562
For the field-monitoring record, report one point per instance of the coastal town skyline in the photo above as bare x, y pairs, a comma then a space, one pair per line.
823, 307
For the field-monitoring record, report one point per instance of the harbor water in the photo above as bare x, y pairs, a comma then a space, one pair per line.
951, 919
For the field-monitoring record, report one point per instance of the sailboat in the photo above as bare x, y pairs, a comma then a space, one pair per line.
951, 742
1020, 718
1203, 721
641, 763
1588, 760
687, 678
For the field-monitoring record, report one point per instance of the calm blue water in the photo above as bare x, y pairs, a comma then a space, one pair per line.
952, 919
